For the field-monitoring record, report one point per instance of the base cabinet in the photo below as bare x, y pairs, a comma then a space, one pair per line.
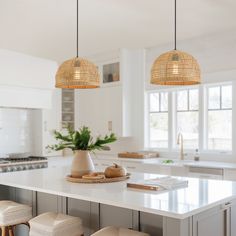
120, 216
151, 224
232, 214
87, 211
211, 223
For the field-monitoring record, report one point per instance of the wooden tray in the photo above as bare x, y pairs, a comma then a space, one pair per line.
96, 181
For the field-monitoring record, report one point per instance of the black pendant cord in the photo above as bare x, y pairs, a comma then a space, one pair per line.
175, 24
77, 29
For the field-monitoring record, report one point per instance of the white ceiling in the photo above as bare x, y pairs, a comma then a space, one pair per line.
46, 28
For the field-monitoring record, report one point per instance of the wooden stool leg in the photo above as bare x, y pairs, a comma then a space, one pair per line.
4, 231
11, 231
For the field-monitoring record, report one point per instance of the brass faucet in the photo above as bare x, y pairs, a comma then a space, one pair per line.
180, 141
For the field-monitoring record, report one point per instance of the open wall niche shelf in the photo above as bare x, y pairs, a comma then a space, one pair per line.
68, 108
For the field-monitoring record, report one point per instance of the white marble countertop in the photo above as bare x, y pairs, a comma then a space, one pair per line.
180, 203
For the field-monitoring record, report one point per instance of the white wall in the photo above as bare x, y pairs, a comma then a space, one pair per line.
51, 120
26, 81
20, 70
45, 122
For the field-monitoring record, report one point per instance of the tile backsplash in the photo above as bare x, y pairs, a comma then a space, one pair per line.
16, 130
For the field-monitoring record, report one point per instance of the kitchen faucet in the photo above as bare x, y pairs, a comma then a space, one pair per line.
180, 141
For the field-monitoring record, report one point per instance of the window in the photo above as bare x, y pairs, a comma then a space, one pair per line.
219, 118
202, 114
187, 116
158, 117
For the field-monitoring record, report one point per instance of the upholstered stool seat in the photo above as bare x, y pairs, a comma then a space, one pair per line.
12, 214
116, 231
54, 224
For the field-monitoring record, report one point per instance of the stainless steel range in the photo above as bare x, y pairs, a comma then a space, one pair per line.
26, 163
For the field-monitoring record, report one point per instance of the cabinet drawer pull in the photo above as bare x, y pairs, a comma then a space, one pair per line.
226, 205
131, 167
105, 165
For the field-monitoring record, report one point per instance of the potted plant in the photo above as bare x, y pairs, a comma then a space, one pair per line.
81, 143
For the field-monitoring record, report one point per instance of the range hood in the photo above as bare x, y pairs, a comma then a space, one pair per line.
18, 97
26, 81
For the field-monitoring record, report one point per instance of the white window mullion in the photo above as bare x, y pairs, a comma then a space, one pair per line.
174, 121
233, 118
201, 118
170, 121
217, 112
205, 122
147, 121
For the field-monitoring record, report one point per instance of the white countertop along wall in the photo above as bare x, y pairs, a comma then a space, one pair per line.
66, 161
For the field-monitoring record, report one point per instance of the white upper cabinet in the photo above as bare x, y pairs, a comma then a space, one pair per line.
101, 109
116, 106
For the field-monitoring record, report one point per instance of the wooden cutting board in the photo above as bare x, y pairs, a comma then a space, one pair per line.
137, 155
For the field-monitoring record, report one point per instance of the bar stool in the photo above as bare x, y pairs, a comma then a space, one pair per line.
13, 214
55, 224
116, 231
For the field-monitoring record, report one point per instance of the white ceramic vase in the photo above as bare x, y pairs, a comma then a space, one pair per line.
82, 164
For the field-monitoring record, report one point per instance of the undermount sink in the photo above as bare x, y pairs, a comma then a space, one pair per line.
166, 161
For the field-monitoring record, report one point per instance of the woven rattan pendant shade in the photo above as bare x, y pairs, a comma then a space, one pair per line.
175, 68
77, 73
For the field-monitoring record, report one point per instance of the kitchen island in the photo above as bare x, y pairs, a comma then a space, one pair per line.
204, 208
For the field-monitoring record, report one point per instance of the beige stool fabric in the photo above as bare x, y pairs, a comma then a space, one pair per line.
54, 224
116, 231
12, 213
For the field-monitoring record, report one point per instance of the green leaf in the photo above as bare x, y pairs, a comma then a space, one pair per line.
81, 140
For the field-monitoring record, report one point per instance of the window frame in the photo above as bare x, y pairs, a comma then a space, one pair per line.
202, 118
153, 112
205, 115
175, 115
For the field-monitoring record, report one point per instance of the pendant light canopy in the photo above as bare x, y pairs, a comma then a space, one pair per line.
77, 73
175, 68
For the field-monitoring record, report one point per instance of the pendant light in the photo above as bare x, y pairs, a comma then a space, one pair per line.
77, 73
175, 67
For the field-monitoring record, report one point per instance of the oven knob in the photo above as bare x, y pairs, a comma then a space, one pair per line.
9, 169
45, 165
19, 168
14, 168
26, 167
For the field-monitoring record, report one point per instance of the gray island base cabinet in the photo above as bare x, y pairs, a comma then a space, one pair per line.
217, 221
